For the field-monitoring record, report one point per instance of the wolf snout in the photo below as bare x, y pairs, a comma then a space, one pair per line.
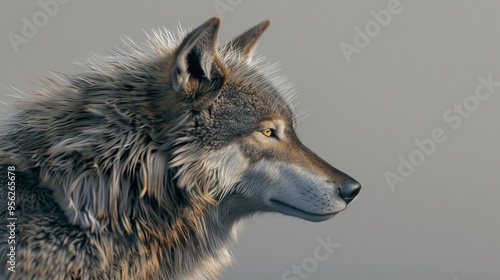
349, 190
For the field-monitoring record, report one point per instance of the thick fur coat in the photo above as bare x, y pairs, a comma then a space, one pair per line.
142, 164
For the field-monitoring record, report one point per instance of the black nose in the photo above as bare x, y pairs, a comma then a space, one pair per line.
349, 190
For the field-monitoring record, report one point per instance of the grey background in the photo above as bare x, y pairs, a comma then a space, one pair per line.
441, 223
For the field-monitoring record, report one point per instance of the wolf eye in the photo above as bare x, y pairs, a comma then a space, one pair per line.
268, 132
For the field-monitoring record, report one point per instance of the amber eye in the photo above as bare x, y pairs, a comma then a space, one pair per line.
267, 132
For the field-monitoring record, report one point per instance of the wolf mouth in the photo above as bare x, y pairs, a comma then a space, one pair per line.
288, 209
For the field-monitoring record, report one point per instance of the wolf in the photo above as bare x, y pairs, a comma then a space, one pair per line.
144, 163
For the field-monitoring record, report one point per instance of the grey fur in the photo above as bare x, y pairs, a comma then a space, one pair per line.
142, 165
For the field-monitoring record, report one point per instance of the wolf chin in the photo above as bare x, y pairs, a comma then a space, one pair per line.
142, 165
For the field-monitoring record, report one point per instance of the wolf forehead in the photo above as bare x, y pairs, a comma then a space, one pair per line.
243, 106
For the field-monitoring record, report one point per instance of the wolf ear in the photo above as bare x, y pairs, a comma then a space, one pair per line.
246, 42
195, 55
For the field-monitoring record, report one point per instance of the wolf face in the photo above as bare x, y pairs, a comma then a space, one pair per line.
142, 164
264, 166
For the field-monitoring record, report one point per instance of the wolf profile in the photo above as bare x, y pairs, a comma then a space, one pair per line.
142, 165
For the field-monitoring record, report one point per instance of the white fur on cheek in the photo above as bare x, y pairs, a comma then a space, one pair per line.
229, 164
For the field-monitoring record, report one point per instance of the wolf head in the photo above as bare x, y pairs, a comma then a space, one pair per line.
252, 160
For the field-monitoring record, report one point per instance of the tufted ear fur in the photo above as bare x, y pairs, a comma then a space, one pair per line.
195, 57
247, 41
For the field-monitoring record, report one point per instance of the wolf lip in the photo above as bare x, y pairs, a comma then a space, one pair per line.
288, 209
